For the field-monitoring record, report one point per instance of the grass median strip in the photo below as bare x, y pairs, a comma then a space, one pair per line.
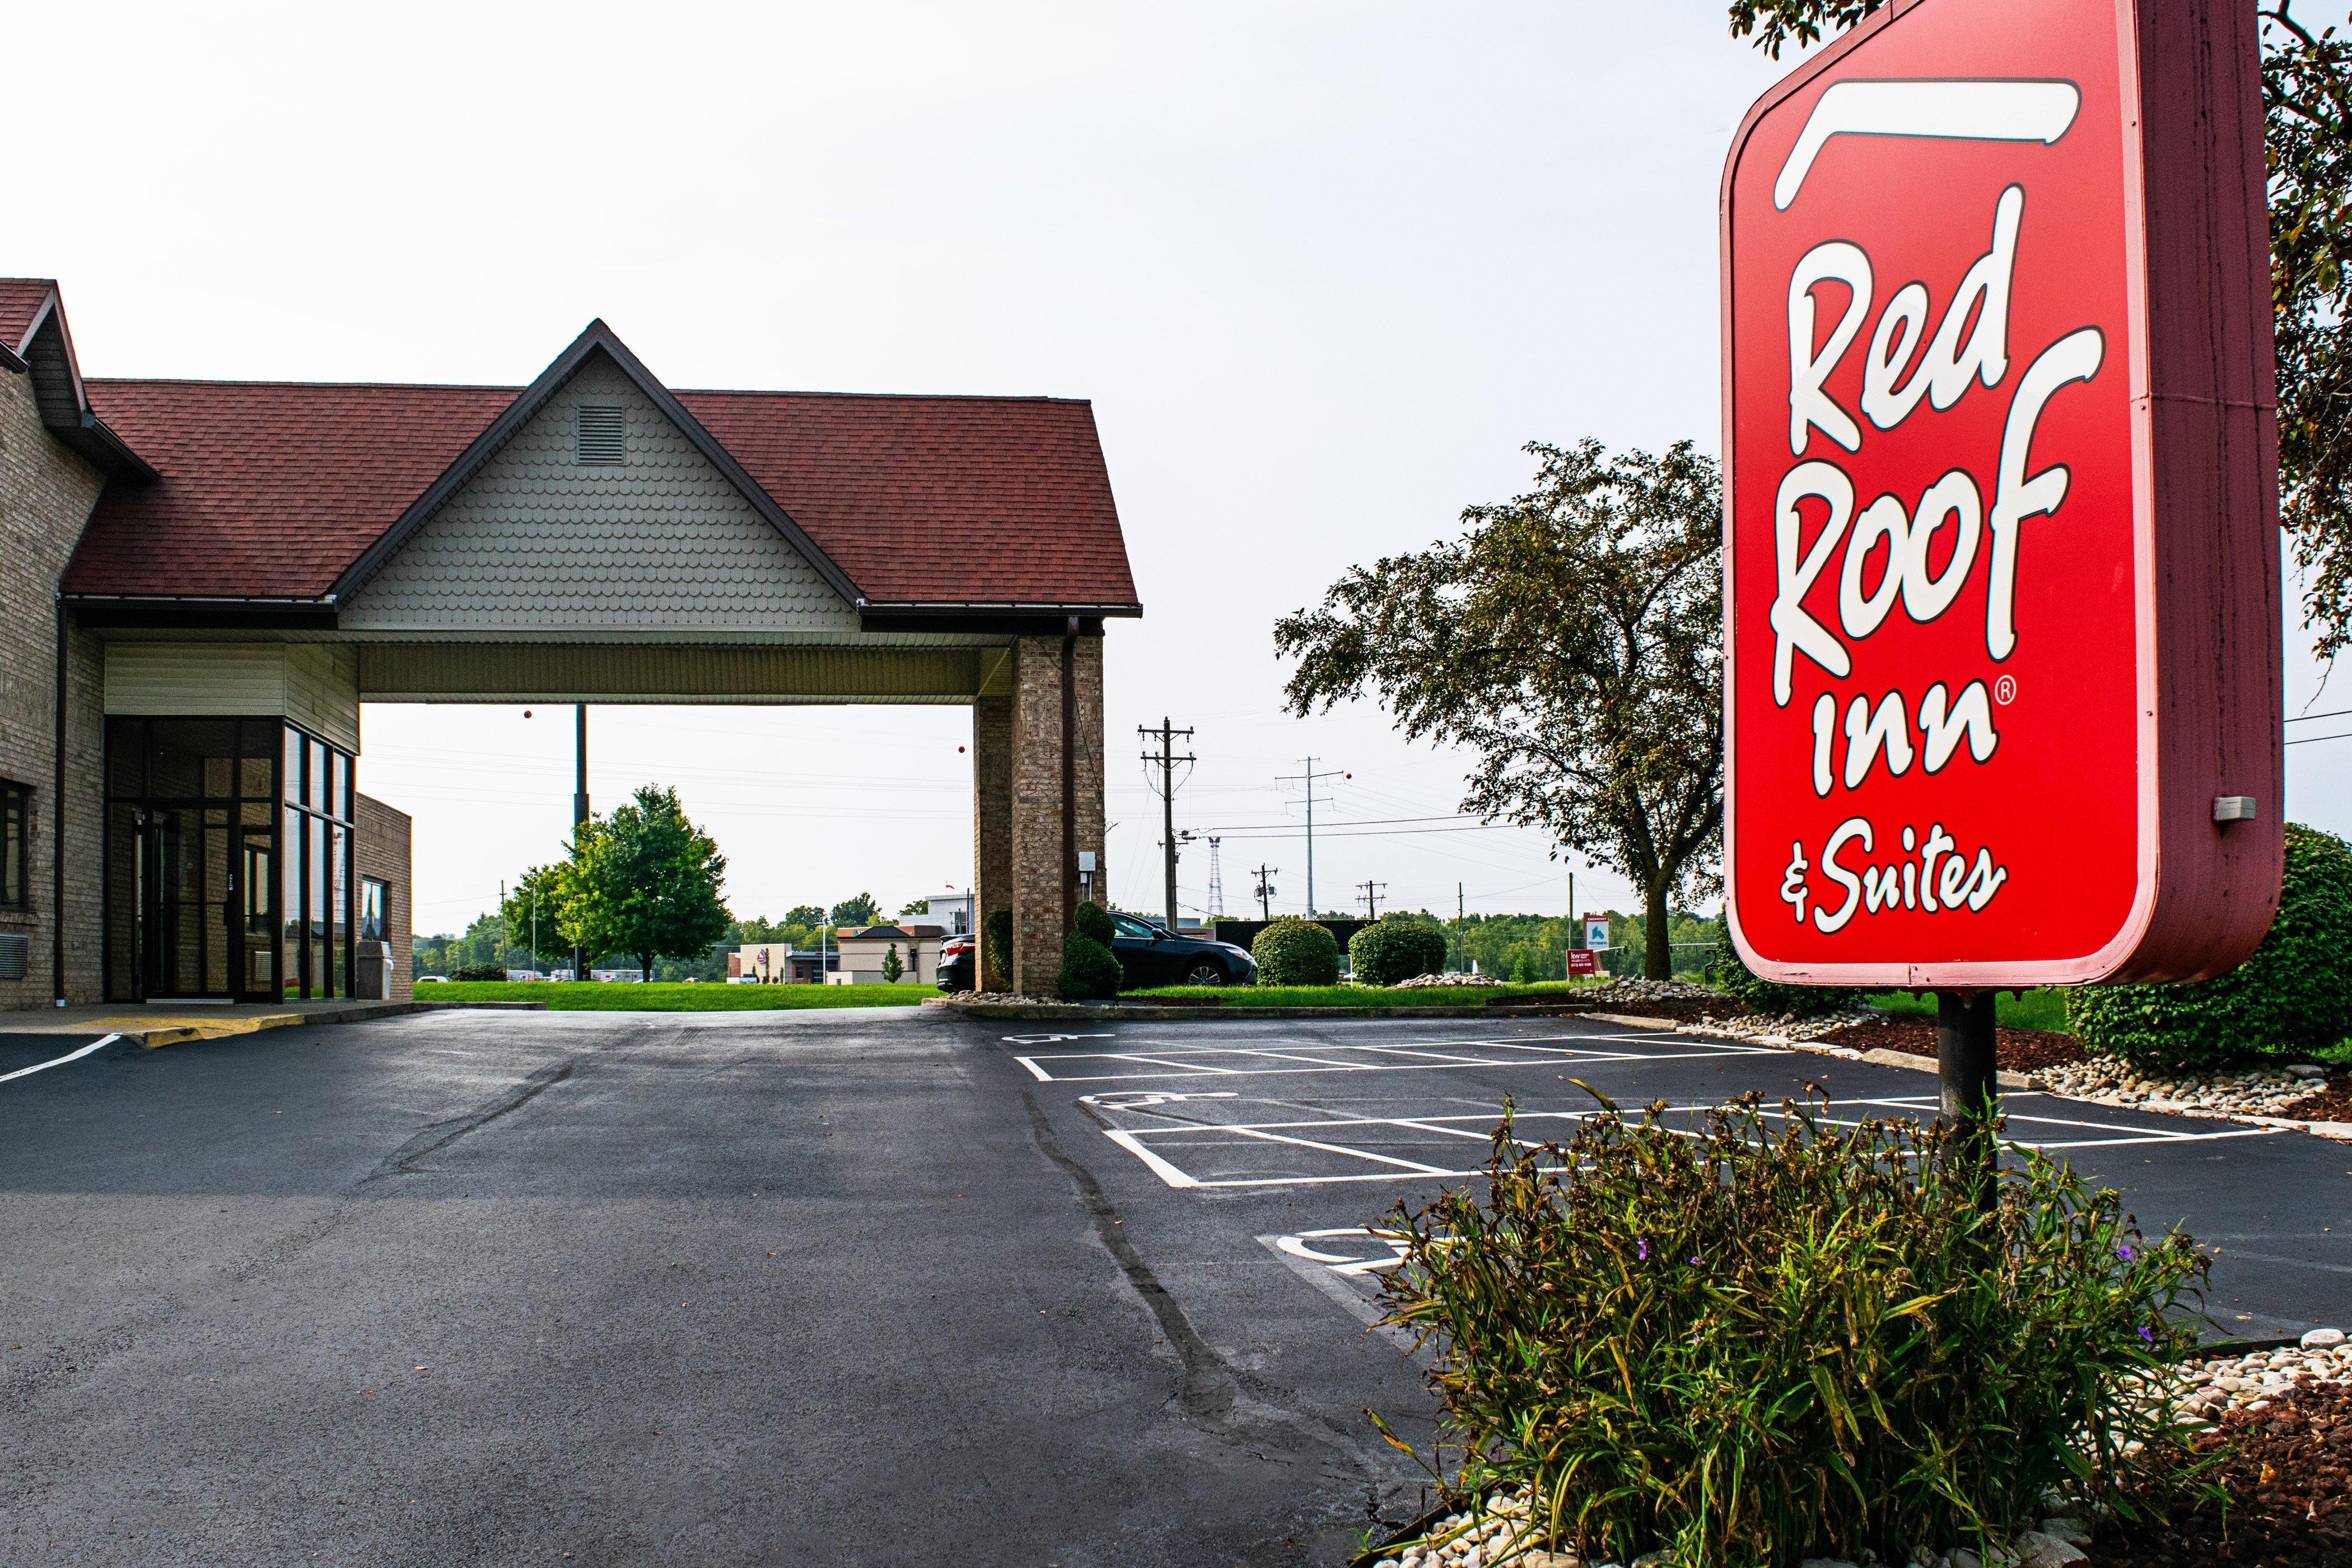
604, 996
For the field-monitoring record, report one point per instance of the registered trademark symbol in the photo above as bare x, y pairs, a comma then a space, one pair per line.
2004, 691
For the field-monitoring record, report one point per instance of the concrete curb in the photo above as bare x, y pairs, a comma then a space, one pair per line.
184, 1034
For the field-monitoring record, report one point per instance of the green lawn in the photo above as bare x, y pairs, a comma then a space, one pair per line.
2042, 1009
596, 996
1356, 995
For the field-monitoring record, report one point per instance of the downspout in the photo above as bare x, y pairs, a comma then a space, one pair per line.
57, 831
1070, 777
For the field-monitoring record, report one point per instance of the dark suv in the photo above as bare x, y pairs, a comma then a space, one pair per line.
1148, 955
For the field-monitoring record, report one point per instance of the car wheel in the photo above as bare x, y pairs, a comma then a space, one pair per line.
1206, 972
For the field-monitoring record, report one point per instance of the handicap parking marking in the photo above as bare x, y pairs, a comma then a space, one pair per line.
1309, 1057
1345, 1263
1227, 1146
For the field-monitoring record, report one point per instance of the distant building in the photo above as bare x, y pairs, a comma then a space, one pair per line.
862, 952
952, 910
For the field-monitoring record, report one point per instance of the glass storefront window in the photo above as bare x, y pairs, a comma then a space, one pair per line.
224, 875
376, 898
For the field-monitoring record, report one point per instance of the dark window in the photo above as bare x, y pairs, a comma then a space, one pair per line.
15, 838
375, 898
1129, 926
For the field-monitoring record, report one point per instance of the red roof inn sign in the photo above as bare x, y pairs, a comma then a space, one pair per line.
2002, 621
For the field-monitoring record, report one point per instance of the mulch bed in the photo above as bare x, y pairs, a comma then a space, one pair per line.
2333, 1103
2016, 1051
2289, 1481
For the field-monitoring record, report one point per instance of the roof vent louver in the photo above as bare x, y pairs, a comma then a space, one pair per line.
600, 434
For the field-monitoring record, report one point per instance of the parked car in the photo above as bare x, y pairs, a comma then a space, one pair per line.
957, 956
1152, 954
432, 979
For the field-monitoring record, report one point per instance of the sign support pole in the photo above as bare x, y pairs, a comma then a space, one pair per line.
1966, 1069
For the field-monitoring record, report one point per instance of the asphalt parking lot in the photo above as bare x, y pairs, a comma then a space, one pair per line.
849, 1288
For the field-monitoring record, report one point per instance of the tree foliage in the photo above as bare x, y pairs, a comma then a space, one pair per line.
857, 911
645, 881
1572, 639
2307, 133
533, 913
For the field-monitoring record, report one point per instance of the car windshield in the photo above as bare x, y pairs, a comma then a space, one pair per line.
1129, 926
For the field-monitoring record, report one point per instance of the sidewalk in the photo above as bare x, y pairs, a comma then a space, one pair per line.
168, 1023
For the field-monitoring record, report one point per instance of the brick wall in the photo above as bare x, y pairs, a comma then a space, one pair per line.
1038, 843
45, 495
991, 812
379, 850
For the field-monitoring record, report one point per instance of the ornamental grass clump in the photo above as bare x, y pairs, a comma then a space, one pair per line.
1746, 1344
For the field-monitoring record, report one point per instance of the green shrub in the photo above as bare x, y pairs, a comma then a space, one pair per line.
2291, 994
1523, 971
1294, 952
1393, 949
479, 972
996, 952
1746, 1346
1094, 921
1090, 970
1730, 973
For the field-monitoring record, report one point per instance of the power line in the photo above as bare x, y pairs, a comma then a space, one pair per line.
2313, 718
1308, 778
2309, 740
1352, 822
1167, 759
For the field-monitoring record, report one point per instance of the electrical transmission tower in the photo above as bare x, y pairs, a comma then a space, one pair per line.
1308, 778
1167, 759
1265, 894
1372, 891
1216, 880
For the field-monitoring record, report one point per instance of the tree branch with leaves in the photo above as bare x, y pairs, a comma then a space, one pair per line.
1571, 639
2307, 137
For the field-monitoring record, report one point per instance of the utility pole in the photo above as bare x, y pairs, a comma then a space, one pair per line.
1372, 891
1308, 778
1216, 880
1461, 929
1167, 759
1265, 892
579, 809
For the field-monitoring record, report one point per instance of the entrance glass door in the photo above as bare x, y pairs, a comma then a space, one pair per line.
185, 905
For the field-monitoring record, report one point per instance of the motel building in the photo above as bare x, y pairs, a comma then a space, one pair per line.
201, 582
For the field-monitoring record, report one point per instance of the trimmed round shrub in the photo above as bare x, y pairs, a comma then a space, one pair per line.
1090, 969
2290, 996
996, 952
1393, 949
1095, 922
1294, 952
1730, 973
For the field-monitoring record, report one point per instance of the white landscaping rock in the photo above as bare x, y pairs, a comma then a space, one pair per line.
2323, 1339
2039, 1550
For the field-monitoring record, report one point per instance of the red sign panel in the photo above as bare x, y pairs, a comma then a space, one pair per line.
1584, 961
2002, 596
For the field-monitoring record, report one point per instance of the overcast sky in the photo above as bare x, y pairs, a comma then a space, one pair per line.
1322, 269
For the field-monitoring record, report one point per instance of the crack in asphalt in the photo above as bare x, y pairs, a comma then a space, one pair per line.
1211, 1390
402, 1161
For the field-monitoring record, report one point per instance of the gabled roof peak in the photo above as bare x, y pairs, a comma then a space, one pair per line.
595, 339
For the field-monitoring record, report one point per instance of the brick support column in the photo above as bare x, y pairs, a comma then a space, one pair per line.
1041, 852
992, 820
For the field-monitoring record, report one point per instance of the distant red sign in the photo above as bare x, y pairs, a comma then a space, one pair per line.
2002, 592
1584, 961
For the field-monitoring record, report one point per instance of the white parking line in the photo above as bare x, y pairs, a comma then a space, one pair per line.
61, 1061
1347, 1058
1176, 1135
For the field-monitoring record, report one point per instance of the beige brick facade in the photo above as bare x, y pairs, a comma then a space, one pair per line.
379, 851
45, 495
1038, 841
991, 817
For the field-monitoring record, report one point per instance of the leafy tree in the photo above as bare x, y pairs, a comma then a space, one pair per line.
807, 916
533, 913
1572, 638
892, 966
646, 881
915, 907
2308, 129
857, 911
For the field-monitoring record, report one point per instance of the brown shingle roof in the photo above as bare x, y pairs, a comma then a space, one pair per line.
272, 489
20, 301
